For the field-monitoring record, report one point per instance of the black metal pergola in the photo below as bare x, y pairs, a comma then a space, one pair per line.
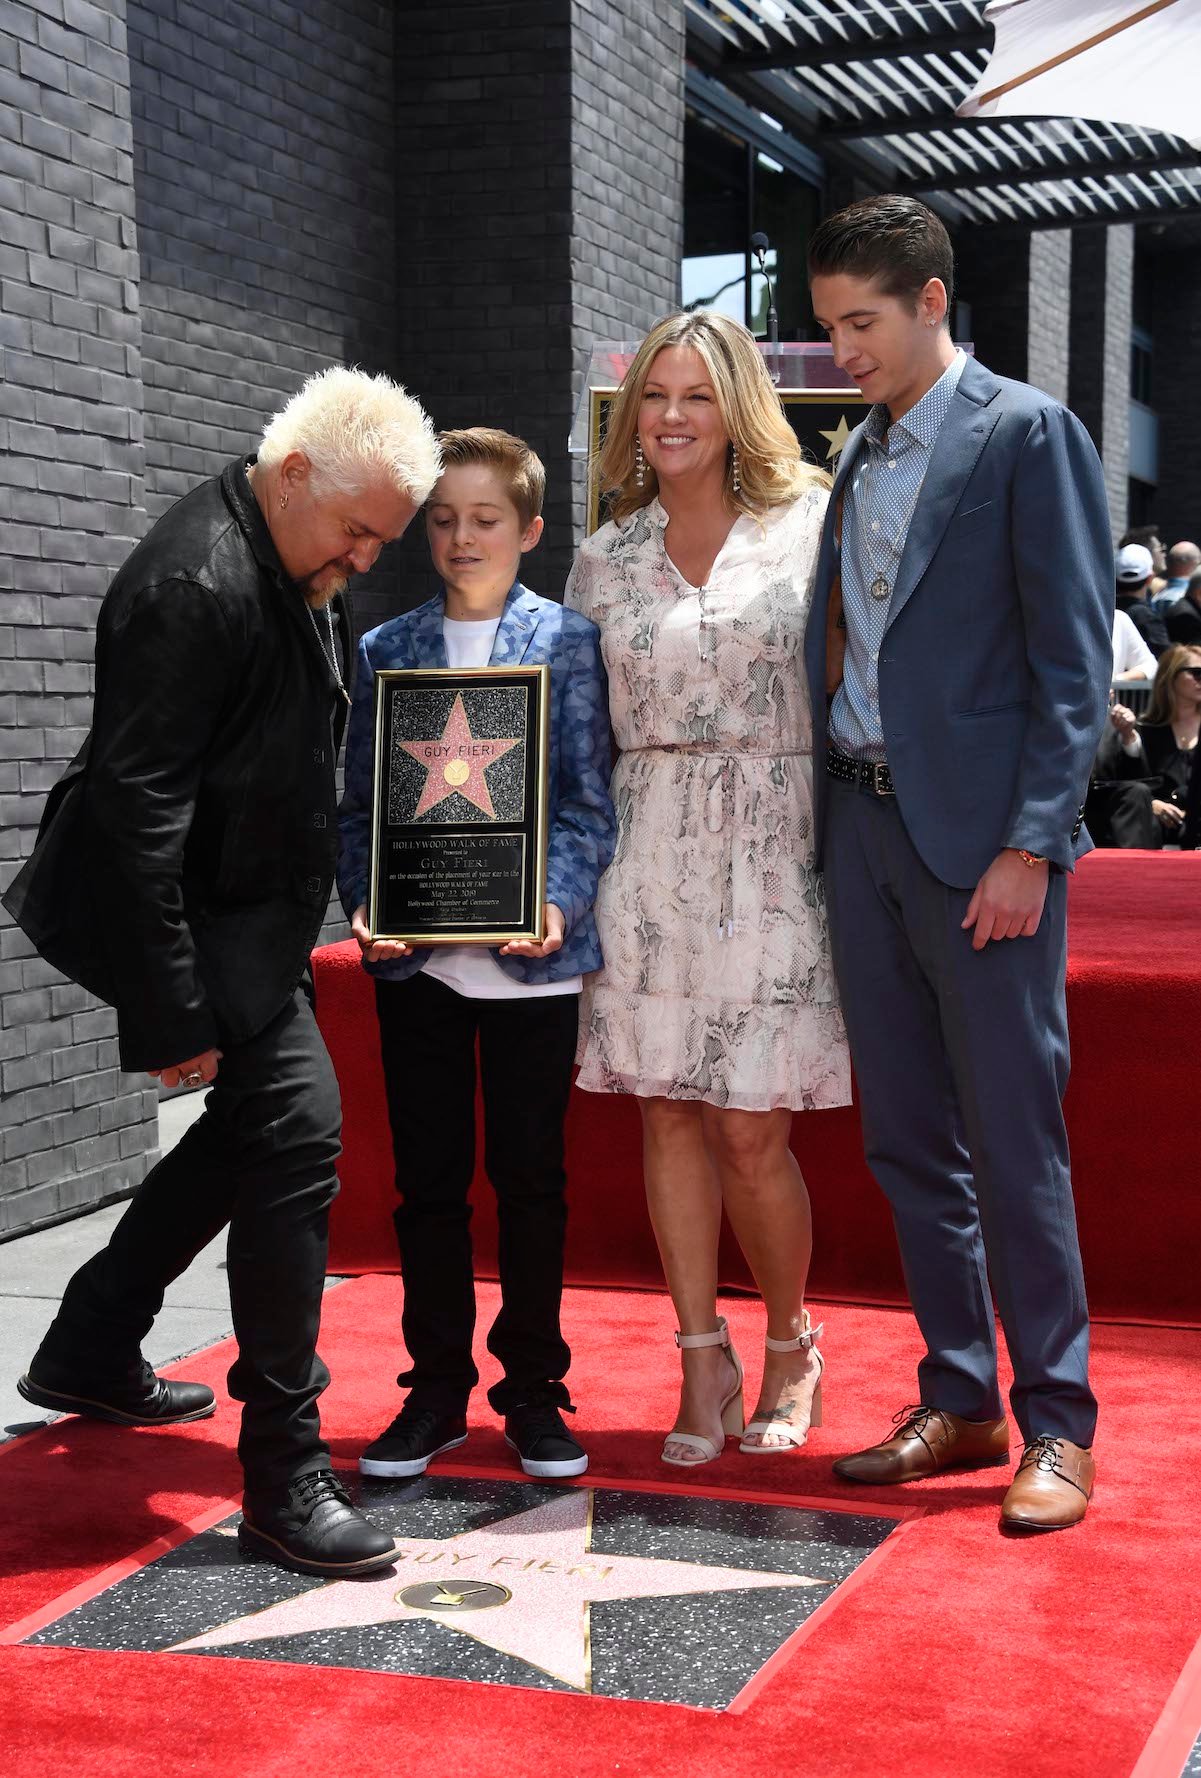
874, 84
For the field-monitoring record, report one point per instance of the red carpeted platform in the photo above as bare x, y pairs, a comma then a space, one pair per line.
962, 1653
1134, 988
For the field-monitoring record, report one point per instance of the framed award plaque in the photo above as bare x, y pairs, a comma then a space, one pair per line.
458, 831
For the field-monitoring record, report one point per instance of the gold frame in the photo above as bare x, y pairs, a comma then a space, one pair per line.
540, 678
598, 396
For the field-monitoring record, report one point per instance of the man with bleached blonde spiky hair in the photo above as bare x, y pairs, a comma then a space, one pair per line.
182, 873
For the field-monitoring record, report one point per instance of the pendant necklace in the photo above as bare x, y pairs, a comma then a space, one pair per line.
332, 655
880, 587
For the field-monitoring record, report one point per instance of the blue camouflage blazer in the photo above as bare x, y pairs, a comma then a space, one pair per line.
581, 828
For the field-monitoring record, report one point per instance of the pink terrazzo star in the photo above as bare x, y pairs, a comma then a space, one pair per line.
454, 764
541, 1556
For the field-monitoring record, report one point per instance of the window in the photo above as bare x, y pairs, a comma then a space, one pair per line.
716, 218
1140, 366
785, 208
733, 188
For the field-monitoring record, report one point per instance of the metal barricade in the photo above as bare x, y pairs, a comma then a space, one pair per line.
1134, 693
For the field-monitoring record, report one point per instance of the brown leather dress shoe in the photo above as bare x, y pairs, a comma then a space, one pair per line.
1052, 1487
927, 1442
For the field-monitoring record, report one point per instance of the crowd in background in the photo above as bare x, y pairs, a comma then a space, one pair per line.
1145, 789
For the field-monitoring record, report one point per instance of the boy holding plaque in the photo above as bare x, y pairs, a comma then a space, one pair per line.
519, 999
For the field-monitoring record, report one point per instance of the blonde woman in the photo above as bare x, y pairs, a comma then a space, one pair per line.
717, 1006
1157, 753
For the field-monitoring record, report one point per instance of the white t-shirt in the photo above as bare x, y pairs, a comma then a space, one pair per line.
472, 970
1130, 652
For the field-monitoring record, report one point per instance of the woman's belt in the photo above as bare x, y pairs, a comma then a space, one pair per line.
699, 750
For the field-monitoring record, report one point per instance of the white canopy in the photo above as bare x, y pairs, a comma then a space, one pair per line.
1125, 61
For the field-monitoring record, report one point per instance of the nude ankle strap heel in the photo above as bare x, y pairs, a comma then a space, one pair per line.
733, 1420
804, 1342
762, 1424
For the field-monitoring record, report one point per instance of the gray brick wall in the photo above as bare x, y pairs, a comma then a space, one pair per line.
1102, 286
263, 174
75, 1131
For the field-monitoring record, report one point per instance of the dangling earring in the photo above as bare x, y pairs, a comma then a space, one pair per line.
639, 465
283, 500
737, 480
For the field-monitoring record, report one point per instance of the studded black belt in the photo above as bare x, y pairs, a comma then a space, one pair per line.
867, 774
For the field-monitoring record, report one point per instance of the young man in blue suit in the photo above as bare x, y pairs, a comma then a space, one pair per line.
960, 635
520, 1001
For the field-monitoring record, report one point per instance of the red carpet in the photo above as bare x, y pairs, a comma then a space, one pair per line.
1134, 986
963, 1653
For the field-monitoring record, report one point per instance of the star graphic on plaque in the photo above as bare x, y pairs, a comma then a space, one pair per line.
836, 437
456, 761
521, 1585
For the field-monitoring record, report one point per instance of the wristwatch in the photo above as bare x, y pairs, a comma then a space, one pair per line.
1029, 858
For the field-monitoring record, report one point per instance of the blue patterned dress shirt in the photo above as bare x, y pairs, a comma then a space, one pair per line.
881, 497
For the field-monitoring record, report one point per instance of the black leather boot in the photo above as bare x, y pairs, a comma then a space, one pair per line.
311, 1526
138, 1398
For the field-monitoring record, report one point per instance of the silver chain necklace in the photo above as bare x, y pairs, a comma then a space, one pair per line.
332, 655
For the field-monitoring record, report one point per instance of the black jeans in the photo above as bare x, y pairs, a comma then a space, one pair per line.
261, 1158
526, 1048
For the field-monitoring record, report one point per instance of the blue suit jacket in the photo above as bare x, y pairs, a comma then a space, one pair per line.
997, 656
581, 826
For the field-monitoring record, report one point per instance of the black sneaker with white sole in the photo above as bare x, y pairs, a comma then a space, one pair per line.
546, 1448
416, 1435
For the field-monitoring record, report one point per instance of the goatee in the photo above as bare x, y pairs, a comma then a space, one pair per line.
318, 597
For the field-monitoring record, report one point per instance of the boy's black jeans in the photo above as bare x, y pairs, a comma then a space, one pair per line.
526, 1049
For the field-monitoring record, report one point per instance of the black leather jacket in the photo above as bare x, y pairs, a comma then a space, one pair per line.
185, 859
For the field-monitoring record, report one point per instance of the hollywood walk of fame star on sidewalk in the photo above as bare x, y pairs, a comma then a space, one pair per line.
455, 762
541, 1556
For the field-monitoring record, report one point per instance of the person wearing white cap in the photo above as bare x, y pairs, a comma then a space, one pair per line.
1133, 567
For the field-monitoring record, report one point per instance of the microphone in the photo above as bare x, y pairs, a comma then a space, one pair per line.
759, 247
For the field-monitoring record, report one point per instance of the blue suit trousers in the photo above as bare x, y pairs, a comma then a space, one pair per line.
961, 1059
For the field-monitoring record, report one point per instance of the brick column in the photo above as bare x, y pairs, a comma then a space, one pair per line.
1102, 282
1018, 284
540, 208
1050, 311
75, 1131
